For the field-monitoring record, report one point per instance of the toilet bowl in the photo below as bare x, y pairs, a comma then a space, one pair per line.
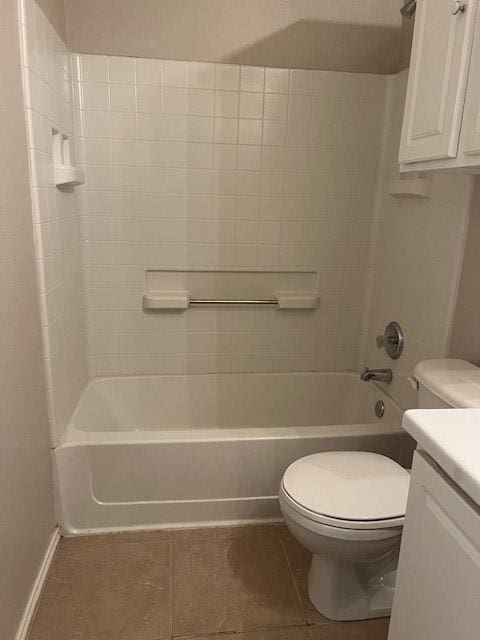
348, 509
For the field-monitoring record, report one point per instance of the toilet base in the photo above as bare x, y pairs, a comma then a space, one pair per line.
352, 591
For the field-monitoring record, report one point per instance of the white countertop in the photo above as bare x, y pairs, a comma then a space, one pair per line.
452, 438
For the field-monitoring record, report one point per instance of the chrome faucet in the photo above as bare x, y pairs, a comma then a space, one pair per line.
380, 375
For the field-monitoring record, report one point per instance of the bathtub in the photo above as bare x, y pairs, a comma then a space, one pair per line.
183, 450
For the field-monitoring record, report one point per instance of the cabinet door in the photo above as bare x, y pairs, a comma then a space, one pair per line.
437, 80
470, 136
437, 596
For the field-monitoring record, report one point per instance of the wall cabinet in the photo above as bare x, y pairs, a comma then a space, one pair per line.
441, 126
437, 596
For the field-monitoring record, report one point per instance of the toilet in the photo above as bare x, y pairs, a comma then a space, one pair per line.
348, 507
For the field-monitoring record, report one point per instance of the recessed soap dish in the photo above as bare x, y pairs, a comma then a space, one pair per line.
65, 173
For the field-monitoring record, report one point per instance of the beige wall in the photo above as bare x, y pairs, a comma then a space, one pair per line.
406, 37
55, 12
26, 513
416, 266
345, 35
466, 326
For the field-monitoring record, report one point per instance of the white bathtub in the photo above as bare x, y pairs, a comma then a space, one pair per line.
156, 451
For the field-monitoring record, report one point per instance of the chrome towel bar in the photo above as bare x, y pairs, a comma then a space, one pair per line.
223, 301
181, 300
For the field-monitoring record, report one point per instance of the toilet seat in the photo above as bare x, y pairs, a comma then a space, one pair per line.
347, 490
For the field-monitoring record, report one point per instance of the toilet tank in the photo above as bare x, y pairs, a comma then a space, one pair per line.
447, 383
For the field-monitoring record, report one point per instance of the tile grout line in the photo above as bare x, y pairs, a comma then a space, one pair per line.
219, 634
292, 575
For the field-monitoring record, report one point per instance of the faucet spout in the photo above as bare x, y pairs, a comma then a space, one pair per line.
379, 375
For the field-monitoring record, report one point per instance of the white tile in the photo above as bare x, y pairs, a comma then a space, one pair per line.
200, 129
248, 183
296, 159
249, 131
301, 81
200, 155
273, 158
96, 96
277, 80
201, 102
149, 71
349, 85
123, 125
175, 127
124, 152
251, 105
245, 255
121, 69
175, 100
97, 124
224, 182
325, 83
149, 99
249, 157
272, 184
298, 132
275, 106
269, 232
227, 77
274, 132
270, 208
299, 107
122, 97
246, 231
225, 156
94, 68
175, 73
226, 130
149, 126
247, 207
201, 75
226, 104
252, 79
96, 151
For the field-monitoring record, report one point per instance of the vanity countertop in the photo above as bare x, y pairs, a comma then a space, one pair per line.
452, 438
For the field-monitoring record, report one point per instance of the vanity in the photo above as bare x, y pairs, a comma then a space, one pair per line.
437, 595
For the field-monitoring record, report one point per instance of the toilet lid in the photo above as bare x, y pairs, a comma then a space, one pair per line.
351, 485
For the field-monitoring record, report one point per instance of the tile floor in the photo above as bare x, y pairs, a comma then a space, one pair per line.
249, 581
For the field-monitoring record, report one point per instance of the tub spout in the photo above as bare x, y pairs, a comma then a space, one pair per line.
379, 375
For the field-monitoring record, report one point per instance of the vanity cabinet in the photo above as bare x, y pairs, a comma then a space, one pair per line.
441, 127
437, 596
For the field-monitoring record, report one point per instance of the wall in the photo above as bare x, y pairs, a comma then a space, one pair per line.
416, 259
220, 166
345, 35
26, 517
465, 341
54, 11
48, 99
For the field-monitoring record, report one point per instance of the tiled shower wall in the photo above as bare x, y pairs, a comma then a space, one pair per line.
210, 166
48, 99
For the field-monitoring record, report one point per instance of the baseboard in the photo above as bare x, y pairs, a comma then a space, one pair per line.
27, 617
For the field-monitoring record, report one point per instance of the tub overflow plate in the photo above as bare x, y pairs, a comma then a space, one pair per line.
379, 408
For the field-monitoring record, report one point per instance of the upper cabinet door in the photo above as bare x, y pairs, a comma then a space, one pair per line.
437, 79
470, 136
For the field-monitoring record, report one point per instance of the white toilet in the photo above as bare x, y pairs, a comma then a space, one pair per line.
348, 508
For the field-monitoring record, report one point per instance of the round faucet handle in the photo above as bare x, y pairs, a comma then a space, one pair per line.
392, 340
